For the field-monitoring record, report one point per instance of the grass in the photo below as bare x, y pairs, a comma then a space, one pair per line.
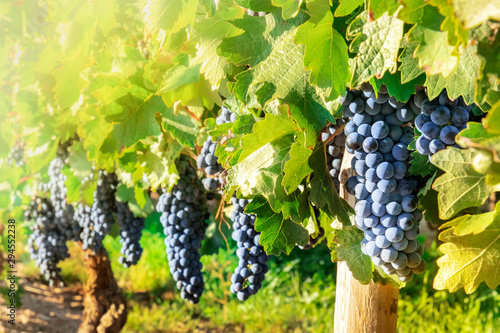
298, 295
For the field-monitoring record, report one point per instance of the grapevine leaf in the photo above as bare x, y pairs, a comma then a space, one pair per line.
168, 15
349, 250
140, 196
461, 186
401, 91
346, 7
265, 131
469, 259
472, 224
68, 83
158, 165
138, 120
308, 111
289, 8
277, 233
429, 206
434, 53
279, 73
379, 7
477, 136
207, 35
325, 55
451, 24
256, 5
420, 165
409, 69
376, 44
461, 82
323, 193
472, 13
181, 127
297, 167
261, 35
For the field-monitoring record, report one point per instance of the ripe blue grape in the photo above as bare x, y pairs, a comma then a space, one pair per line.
441, 116
386, 205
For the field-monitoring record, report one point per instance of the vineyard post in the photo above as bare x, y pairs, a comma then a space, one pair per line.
362, 308
105, 309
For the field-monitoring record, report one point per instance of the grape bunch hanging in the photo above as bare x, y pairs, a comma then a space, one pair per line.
130, 234
183, 219
439, 122
47, 244
207, 159
378, 134
252, 267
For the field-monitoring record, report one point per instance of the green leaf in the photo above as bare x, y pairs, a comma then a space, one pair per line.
477, 136
462, 82
325, 55
376, 45
168, 15
461, 186
138, 121
265, 131
469, 259
323, 193
434, 53
181, 127
420, 165
277, 233
297, 167
261, 35
289, 8
307, 109
346, 7
401, 91
409, 69
472, 13
140, 196
159, 166
256, 5
379, 7
472, 224
349, 250
279, 73
207, 35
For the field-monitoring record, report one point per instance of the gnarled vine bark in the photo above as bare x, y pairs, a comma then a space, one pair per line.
105, 309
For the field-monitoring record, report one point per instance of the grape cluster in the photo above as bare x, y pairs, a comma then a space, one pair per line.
104, 203
183, 219
16, 155
62, 210
47, 245
91, 240
439, 122
130, 234
207, 159
334, 150
378, 134
250, 273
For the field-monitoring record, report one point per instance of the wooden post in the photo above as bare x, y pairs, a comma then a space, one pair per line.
362, 308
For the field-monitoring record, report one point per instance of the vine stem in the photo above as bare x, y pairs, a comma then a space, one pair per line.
105, 308
371, 308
